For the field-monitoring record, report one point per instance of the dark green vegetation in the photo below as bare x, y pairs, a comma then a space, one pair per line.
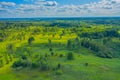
73, 49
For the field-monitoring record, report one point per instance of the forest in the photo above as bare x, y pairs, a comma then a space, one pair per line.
60, 48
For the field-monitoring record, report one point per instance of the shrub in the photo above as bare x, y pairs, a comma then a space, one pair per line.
69, 44
61, 55
59, 72
86, 64
20, 63
44, 65
1, 63
59, 66
30, 40
24, 57
70, 56
34, 65
50, 49
46, 55
17, 64
52, 53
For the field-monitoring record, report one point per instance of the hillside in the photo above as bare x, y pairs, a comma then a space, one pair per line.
60, 49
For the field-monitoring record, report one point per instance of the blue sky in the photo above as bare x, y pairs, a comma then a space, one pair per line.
62, 2
59, 8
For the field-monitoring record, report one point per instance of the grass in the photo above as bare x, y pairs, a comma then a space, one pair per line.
96, 69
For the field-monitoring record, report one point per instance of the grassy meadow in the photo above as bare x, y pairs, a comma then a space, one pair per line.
60, 50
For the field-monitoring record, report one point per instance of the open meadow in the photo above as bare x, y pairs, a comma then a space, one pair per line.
60, 49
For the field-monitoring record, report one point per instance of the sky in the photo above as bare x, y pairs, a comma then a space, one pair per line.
59, 8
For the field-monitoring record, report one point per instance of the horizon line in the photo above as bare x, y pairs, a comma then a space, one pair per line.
61, 17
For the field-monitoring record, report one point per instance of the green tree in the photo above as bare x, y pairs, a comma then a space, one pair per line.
70, 56
30, 40
1, 63
69, 44
10, 49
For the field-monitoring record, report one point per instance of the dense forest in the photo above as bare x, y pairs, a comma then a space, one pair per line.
60, 49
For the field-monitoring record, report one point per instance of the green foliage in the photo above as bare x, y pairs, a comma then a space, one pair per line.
1, 63
24, 57
10, 49
82, 37
86, 64
70, 56
20, 63
30, 40
44, 65
59, 66
89, 45
34, 65
50, 49
61, 55
69, 44
52, 53
59, 72
104, 54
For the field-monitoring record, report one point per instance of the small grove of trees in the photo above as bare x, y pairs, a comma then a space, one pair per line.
73, 44
89, 45
98, 35
42, 62
9, 53
23, 62
106, 52
30, 40
2, 36
101, 50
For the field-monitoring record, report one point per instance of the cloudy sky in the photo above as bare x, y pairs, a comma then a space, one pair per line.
58, 8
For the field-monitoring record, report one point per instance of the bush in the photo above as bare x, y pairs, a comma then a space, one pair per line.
59, 66
105, 54
46, 55
61, 55
52, 53
17, 64
59, 72
86, 64
44, 65
70, 56
1, 63
35, 65
30, 40
24, 57
20, 63
50, 49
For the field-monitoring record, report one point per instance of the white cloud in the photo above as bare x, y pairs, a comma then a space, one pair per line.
51, 3
51, 8
102, 8
12, 4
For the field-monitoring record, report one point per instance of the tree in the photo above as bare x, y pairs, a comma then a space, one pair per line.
69, 44
77, 45
49, 41
30, 40
59, 66
10, 49
70, 56
52, 53
50, 49
1, 63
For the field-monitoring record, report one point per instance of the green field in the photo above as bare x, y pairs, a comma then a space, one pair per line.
44, 50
